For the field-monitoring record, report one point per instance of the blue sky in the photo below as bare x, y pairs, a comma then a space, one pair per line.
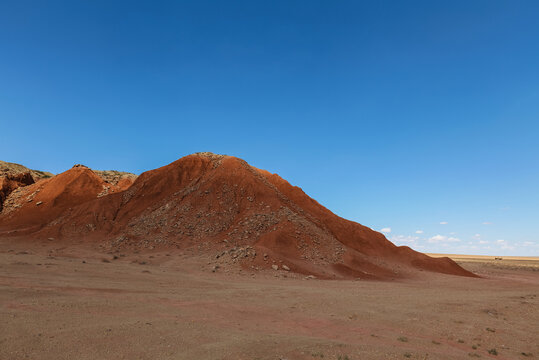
421, 117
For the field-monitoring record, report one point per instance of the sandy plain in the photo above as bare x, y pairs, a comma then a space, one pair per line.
77, 303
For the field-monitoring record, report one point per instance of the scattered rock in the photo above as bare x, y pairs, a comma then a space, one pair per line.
275, 267
285, 267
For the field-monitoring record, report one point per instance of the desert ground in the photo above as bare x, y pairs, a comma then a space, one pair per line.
79, 303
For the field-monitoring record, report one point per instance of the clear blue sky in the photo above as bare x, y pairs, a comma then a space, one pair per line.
396, 114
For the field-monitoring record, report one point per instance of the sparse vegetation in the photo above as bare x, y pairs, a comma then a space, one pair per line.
435, 342
491, 330
402, 338
407, 355
493, 352
343, 357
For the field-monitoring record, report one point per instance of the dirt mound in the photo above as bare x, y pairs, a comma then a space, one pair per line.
220, 206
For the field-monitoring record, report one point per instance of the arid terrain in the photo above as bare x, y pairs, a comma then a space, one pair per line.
79, 303
211, 258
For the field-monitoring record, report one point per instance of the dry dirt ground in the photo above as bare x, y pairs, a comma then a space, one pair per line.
66, 303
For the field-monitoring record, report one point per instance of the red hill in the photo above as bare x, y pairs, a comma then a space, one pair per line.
44, 203
220, 206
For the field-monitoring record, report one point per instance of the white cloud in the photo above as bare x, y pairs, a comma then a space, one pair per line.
404, 240
386, 230
487, 223
477, 236
443, 239
504, 245
437, 238
443, 222
528, 243
419, 231
483, 242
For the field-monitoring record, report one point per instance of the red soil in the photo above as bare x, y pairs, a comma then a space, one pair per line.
206, 202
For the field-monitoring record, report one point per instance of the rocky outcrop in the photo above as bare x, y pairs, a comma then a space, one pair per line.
120, 179
14, 176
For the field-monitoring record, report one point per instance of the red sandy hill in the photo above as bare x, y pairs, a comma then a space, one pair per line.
216, 205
